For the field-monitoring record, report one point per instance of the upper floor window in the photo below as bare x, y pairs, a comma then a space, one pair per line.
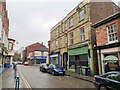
56, 32
65, 25
66, 40
82, 34
10, 46
56, 43
112, 33
81, 13
71, 21
71, 38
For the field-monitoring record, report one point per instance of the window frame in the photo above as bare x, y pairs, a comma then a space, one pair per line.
82, 13
71, 22
82, 34
111, 34
71, 38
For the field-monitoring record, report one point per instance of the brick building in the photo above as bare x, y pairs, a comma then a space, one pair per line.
4, 31
72, 39
36, 53
10, 55
108, 42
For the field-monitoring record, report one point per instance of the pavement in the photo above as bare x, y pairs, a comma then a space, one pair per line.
76, 75
7, 79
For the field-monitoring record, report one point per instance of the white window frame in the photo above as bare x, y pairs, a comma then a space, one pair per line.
82, 34
71, 38
56, 43
110, 33
71, 20
65, 25
82, 12
57, 32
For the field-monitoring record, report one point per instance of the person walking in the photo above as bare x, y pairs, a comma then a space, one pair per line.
106, 67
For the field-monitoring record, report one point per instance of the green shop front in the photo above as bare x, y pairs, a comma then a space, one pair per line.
78, 58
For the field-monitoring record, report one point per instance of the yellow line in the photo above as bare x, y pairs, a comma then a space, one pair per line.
27, 85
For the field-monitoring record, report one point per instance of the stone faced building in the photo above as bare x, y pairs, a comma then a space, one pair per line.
72, 39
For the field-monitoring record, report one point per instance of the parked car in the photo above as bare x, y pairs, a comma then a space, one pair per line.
20, 62
26, 63
108, 81
43, 67
56, 69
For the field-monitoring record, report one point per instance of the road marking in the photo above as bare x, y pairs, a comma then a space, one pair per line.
27, 85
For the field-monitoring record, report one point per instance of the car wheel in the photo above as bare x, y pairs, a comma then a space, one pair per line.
102, 87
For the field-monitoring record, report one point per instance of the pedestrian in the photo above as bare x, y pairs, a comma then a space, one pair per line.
106, 67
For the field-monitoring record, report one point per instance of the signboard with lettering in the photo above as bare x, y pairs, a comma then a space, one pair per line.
38, 57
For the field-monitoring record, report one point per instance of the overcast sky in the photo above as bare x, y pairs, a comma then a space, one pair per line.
31, 22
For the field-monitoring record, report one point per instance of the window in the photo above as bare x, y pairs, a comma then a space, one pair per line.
60, 42
56, 32
65, 25
10, 46
114, 76
66, 40
81, 13
71, 21
60, 28
71, 38
112, 33
82, 34
56, 43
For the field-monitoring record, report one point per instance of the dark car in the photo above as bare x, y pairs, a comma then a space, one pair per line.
108, 81
56, 69
43, 67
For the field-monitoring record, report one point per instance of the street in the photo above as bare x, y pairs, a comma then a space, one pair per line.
37, 79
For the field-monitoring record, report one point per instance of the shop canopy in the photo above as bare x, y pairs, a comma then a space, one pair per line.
110, 57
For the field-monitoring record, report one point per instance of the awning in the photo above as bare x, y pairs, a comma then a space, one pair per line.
111, 57
78, 51
38, 57
55, 55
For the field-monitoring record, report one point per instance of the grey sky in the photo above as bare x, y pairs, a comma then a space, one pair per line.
31, 22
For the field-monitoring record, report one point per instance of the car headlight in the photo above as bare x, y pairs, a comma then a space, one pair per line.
56, 70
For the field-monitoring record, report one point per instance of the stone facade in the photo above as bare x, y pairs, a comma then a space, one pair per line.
75, 31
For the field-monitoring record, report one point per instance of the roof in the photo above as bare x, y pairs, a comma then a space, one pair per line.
106, 20
42, 48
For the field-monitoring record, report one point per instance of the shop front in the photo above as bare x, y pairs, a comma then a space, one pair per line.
38, 59
55, 58
79, 60
112, 56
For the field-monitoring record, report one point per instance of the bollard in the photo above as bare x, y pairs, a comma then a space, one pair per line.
15, 70
15, 73
17, 83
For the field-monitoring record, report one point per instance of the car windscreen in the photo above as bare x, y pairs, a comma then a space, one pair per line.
57, 66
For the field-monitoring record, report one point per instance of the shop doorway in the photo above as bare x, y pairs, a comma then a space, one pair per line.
65, 59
